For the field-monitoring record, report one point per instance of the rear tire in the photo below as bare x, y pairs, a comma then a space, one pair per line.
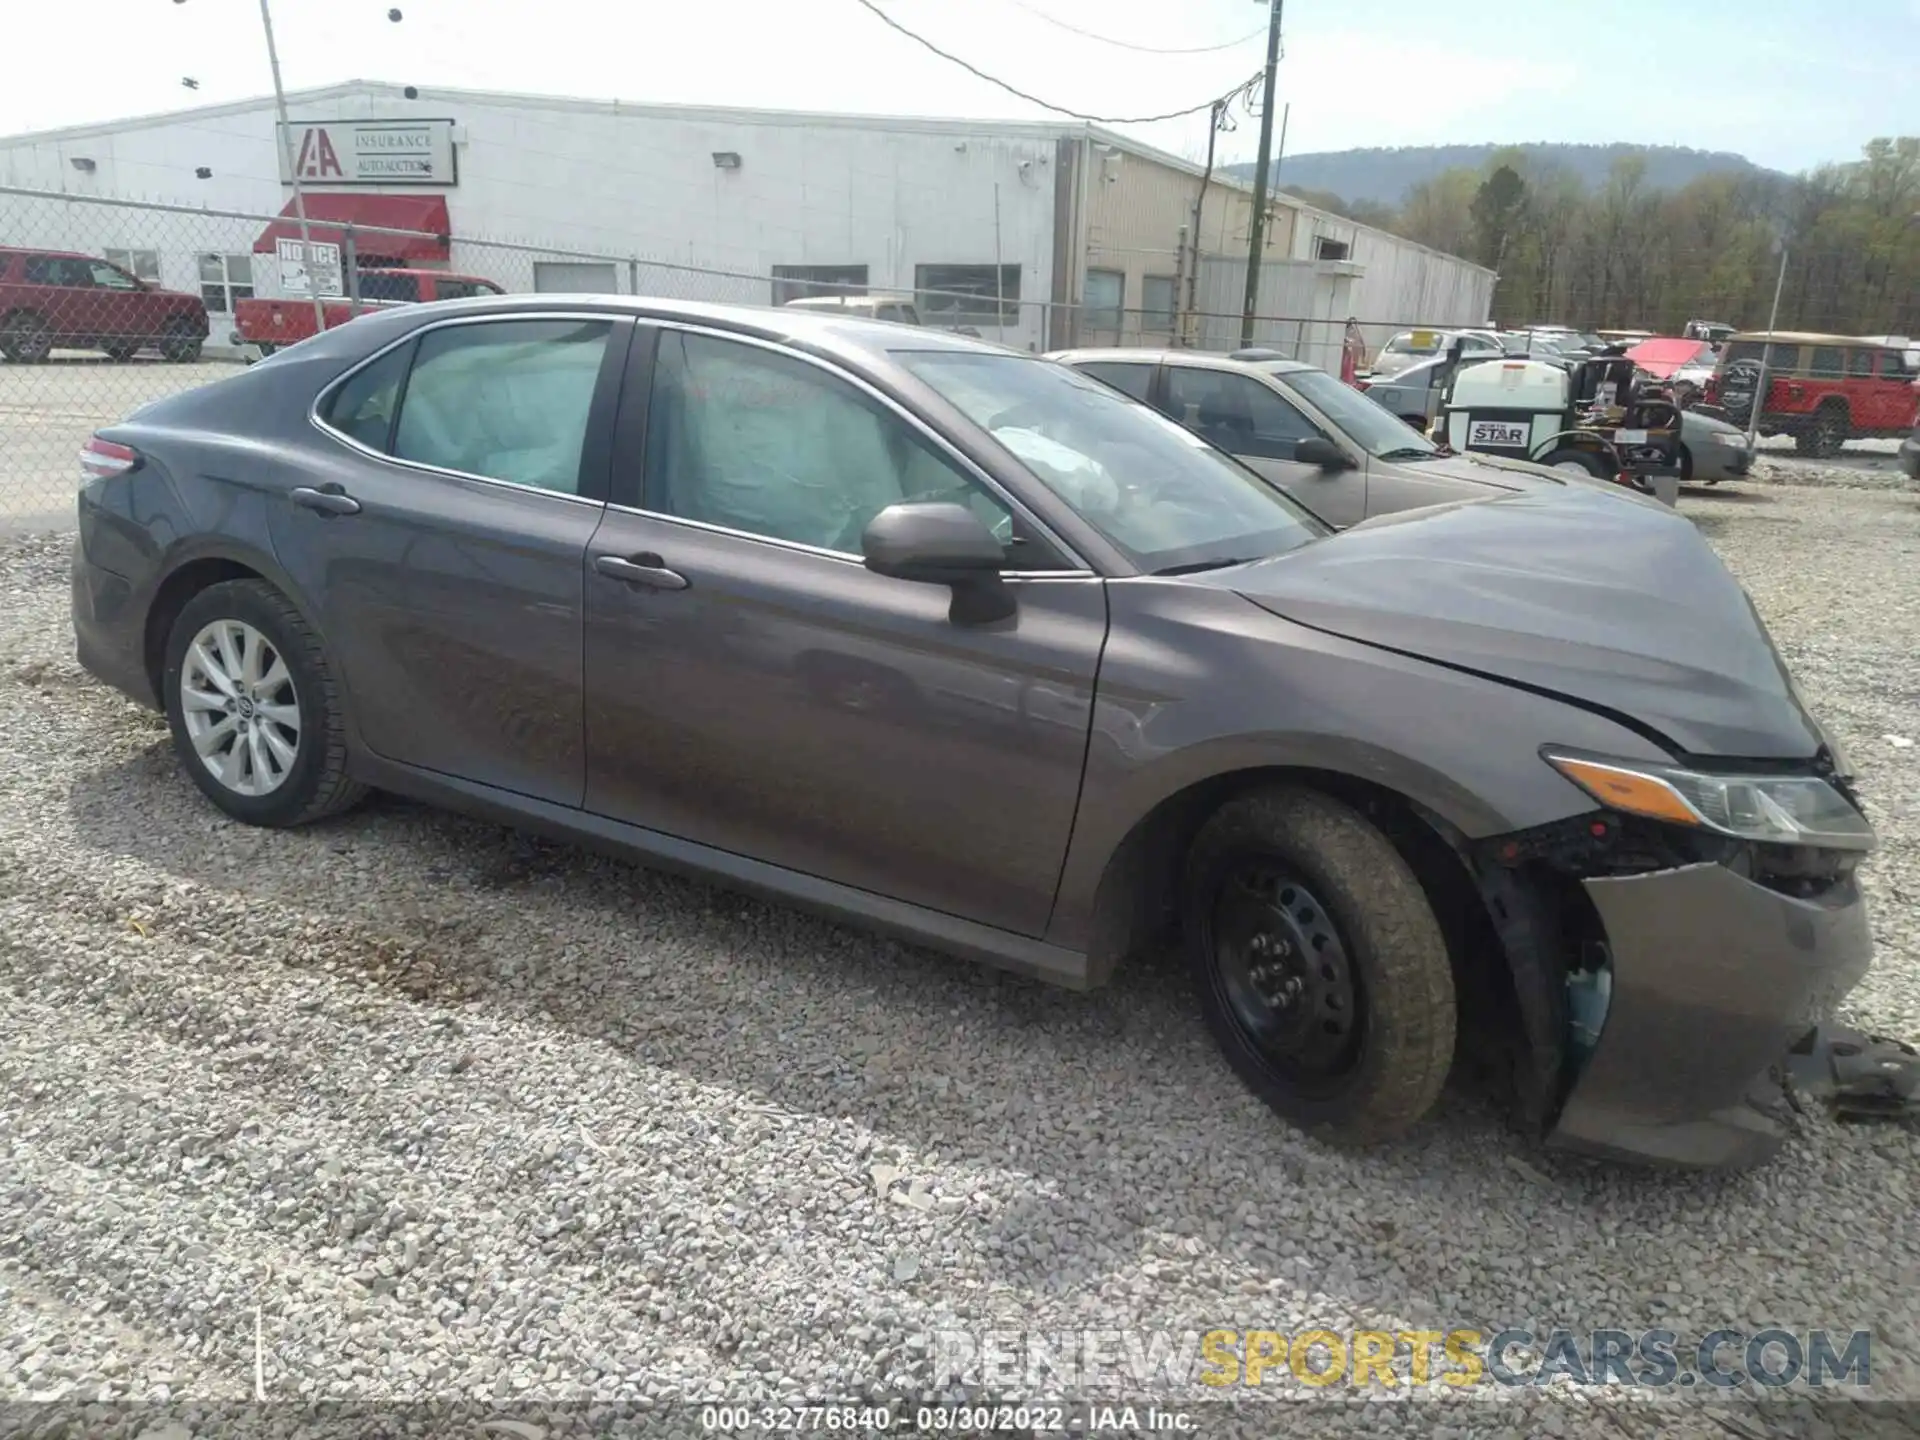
254, 707
25, 339
121, 354
1585, 461
1319, 965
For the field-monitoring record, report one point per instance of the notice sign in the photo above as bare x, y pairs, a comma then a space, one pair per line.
325, 277
368, 152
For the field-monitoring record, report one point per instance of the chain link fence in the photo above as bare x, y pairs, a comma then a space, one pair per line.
107, 305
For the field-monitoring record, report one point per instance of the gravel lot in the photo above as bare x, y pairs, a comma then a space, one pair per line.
461, 1113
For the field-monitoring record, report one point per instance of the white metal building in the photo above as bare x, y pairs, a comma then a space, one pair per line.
1058, 233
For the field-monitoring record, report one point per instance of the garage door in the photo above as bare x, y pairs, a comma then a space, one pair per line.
575, 277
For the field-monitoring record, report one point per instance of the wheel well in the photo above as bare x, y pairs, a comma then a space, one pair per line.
1686, 462
174, 593
19, 312
1835, 402
1136, 904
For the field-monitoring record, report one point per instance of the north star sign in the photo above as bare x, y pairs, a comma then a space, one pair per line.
369, 152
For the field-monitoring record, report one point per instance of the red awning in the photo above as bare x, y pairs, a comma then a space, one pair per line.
424, 214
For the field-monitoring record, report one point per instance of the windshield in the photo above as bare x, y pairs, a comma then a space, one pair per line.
1159, 493
1365, 422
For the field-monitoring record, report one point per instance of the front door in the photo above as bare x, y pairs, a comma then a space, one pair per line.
1260, 428
751, 686
445, 545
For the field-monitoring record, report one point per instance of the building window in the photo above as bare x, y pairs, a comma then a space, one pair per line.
968, 294
142, 264
803, 282
1106, 293
1156, 303
1326, 249
225, 279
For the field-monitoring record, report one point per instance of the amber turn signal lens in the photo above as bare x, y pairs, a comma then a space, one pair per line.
1619, 789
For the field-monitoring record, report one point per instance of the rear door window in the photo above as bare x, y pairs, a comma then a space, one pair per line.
1860, 363
1236, 413
505, 399
362, 409
1829, 362
1127, 377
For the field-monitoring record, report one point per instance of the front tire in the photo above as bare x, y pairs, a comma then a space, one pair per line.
1823, 438
1319, 965
254, 707
181, 343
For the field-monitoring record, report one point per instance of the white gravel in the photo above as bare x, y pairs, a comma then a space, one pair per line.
466, 1114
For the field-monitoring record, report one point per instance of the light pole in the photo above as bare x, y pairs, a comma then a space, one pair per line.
1766, 354
293, 174
1258, 236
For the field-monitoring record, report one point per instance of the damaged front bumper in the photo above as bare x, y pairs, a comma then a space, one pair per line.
1714, 978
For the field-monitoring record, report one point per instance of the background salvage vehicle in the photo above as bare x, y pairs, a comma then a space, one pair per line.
1326, 444
1522, 780
1823, 390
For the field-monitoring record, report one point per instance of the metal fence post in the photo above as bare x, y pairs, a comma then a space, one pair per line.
350, 270
633, 276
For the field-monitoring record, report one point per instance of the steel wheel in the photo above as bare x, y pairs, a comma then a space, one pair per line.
241, 711
1285, 974
26, 340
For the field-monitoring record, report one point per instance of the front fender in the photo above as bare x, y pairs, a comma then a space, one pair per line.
1198, 684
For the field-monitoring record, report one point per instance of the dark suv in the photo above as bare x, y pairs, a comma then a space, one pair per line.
56, 298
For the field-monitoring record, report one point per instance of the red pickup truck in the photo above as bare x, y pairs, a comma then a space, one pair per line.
271, 325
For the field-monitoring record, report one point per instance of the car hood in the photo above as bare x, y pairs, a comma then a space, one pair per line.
1602, 598
1484, 469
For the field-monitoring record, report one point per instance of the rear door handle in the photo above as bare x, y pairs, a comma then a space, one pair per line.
646, 570
327, 502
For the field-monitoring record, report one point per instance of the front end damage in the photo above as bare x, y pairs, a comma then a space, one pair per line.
1674, 989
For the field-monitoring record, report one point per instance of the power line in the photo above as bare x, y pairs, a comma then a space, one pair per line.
975, 70
1128, 45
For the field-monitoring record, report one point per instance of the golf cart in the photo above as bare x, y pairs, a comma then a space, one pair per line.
1586, 414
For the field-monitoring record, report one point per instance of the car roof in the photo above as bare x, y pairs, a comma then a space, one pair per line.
1200, 359
45, 250
1805, 337
829, 330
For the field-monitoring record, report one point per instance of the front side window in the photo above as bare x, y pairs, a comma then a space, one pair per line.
1368, 425
505, 399
143, 263
1236, 412
105, 277
770, 445
1158, 493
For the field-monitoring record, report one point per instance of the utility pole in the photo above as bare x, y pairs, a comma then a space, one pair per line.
1259, 227
293, 174
1766, 355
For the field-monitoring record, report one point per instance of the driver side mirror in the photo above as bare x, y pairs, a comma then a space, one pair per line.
1318, 450
942, 543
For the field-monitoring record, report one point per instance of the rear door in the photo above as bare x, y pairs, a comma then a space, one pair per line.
444, 538
1248, 420
64, 296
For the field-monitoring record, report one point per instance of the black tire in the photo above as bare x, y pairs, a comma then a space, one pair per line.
1822, 439
1686, 466
1573, 456
121, 354
316, 784
266, 348
25, 339
1353, 935
181, 343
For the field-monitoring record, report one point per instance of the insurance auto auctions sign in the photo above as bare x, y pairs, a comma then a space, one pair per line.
369, 152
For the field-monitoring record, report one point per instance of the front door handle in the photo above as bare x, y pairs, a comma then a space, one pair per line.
647, 570
330, 501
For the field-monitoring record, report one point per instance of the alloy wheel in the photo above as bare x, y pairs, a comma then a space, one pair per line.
241, 711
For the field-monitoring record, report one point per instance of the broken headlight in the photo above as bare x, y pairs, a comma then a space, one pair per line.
1773, 809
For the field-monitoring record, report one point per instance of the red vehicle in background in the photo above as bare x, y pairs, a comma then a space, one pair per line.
59, 299
271, 325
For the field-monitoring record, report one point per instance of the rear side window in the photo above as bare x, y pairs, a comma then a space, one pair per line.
375, 286
363, 408
1129, 379
1829, 362
1786, 359
506, 400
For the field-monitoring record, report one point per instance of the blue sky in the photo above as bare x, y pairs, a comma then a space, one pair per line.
1789, 83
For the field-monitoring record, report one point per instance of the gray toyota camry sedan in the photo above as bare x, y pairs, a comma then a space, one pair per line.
965, 646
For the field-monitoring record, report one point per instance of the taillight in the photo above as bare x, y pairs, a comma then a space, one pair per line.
102, 458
